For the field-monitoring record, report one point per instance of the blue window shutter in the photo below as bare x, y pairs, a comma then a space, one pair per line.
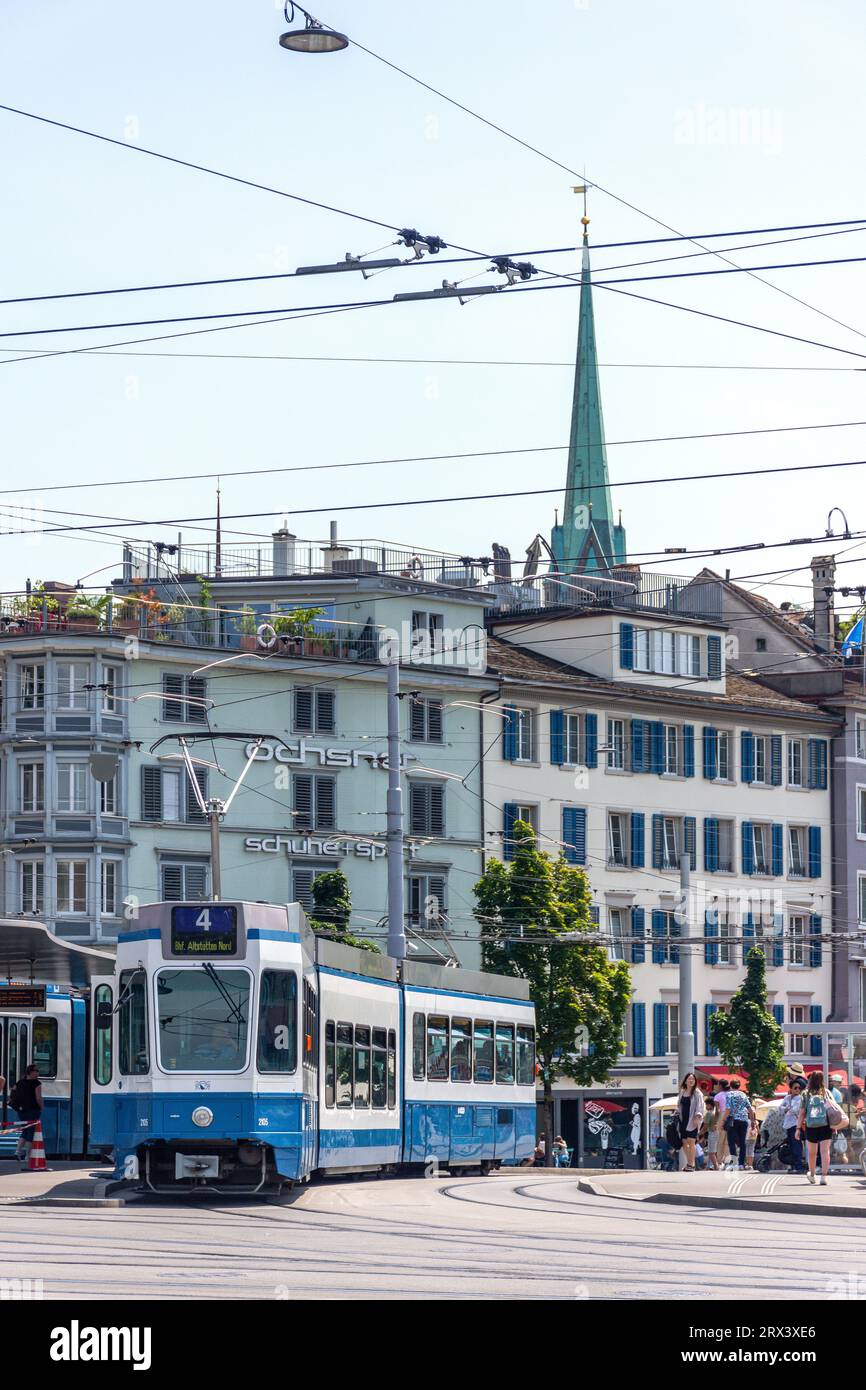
779, 1013
638, 950
709, 1010
711, 844
778, 841
714, 658
695, 1025
747, 757
657, 745
814, 851
748, 934
509, 735
509, 816
658, 840
574, 834
659, 1039
778, 954
689, 750
815, 952
557, 736
711, 750
711, 928
748, 847
674, 931
818, 764
638, 1030
637, 839
638, 745
659, 931
626, 646
815, 1016
775, 760
590, 753
690, 839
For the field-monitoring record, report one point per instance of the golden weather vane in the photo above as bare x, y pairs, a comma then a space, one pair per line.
582, 188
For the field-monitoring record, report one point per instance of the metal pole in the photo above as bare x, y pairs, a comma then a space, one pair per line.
216, 876
394, 820
685, 1036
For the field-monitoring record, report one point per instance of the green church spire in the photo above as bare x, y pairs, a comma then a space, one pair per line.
588, 538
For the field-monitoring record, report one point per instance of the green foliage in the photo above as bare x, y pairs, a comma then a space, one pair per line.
93, 606
248, 621
746, 1035
300, 622
332, 910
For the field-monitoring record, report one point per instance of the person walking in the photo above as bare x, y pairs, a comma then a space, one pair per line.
819, 1115
721, 1099
791, 1107
691, 1109
712, 1122
741, 1115
26, 1098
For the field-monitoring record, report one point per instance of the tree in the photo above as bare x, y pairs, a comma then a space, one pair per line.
533, 912
332, 910
746, 1035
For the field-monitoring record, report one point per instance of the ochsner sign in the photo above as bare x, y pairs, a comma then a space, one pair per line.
298, 753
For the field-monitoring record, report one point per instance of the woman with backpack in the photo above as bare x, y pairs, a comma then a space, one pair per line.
819, 1116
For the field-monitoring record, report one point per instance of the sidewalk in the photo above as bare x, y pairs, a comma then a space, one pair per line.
844, 1195
78, 1183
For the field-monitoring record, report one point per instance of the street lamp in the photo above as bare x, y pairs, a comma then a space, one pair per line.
313, 38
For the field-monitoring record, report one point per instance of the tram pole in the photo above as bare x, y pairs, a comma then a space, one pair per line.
394, 818
214, 810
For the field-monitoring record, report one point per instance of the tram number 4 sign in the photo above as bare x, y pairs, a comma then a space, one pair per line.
204, 931
22, 996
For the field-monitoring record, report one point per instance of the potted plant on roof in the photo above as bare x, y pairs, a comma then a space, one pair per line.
88, 613
205, 599
298, 629
247, 624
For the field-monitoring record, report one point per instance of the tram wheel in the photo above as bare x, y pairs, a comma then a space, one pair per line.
485, 1169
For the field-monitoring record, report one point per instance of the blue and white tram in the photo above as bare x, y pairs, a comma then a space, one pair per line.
233, 1050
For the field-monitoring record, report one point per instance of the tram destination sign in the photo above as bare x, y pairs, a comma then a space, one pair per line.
22, 996
206, 930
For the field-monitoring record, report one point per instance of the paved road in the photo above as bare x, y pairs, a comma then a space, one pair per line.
511, 1236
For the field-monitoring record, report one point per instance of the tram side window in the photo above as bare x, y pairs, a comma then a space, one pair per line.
419, 1043
504, 1053
278, 1022
437, 1047
133, 1023
311, 1026
461, 1049
345, 1064
483, 1049
330, 1063
379, 1088
44, 1046
12, 1054
102, 1044
22, 1044
392, 1069
525, 1056
362, 1066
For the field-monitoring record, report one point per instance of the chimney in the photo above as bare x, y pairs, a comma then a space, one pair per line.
823, 607
284, 551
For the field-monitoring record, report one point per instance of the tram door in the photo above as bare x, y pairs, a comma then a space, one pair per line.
14, 1056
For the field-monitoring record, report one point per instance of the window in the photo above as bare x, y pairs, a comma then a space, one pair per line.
671, 763
184, 699
524, 732
723, 755
437, 1047
618, 930
427, 808
798, 927
345, 1065
362, 1067
71, 886
44, 1046
617, 839
110, 682
427, 634
461, 1049
330, 1064
102, 1047
797, 851
666, 930
525, 1055
315, 801
671, 843
202, 1018
31, 687
184, 881
761, 758
483, 1052
303, 876
571, 738
671, 1022
108, 797
277, 1049
799, 1013
419, 1046
379, 1070
392, 1069
667, 652
315, 710
504, 1053
616, 744
425, 720
31, 786
760, 836
641, 649
861, 899
760, 644
795, 762
726, 847
310, 1028
132, 1029
33, 886
110, 888
73, 781
860, 738
861, 810
72, 677
426, 900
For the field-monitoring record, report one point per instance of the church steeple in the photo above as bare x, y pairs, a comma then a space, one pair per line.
588, 538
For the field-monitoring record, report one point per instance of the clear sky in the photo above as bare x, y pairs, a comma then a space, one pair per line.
710, 117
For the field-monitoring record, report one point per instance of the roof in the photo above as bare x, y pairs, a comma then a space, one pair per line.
791, 626
519, 665
29, 950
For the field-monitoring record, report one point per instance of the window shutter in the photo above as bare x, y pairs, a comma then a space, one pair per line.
637, 839
557, 737
434, 721
195, 882
695, 1025
303, 709
590, 725
417, 721
779, 1013
509, 816
509, 736
711, 845
193, 810
638, 1030
711, 928
326, 803
690, 840
748, 847
658, 841
302, 888
778, 841
574, 834
626, 646
437, 810
638, 745
638, 927
688, 750
747, 757
172, 698
674, 930
714, 658
815, 1016
711, 762
778, 952
659, 1040
775, 760
172, 883
151, 793
436, 890
196, 688
814, 851
659, 931
709, 1010
325, 711
817, 764
748, 934
657, 745
815, 950
303, 803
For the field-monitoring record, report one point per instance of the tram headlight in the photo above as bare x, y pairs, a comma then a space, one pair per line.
202, 1116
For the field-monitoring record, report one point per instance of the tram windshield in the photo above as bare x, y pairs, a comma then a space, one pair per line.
203, 1016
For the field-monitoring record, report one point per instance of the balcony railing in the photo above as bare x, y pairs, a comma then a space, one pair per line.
628, 589
291, 557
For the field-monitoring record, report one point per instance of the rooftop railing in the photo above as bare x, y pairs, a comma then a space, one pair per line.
289, 557
629, 589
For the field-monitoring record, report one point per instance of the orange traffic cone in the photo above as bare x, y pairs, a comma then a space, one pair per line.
36, 1159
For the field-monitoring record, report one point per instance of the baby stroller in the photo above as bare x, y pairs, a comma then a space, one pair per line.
782, 1151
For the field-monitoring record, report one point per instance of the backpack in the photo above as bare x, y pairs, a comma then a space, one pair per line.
672, 1134
816, 1111
15, 1099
